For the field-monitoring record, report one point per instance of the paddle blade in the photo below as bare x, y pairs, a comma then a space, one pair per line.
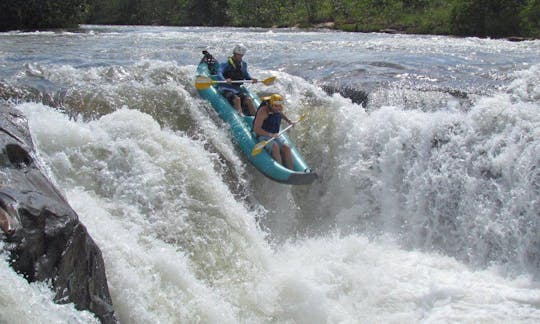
269, 81
202, 82
258, 148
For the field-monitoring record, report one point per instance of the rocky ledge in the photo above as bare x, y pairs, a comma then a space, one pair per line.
44, 238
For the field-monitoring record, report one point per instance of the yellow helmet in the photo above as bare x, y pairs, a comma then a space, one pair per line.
275, 99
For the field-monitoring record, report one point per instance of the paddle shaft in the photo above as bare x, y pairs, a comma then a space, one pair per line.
234, 81
279, 134
291, 125
203, 82
260, 146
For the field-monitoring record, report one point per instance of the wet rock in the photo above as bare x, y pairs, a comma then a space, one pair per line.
357, 96
44, 238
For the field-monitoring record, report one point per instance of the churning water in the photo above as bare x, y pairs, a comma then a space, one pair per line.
427, 147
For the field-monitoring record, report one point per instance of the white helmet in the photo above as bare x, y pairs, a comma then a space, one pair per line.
239, 49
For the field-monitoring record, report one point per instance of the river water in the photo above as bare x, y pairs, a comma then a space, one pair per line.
426, 209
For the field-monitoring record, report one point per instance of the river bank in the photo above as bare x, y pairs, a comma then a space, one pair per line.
393, 30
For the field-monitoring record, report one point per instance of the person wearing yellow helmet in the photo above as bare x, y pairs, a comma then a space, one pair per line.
267, 124
235, 69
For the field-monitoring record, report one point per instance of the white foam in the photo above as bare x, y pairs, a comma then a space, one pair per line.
23, 302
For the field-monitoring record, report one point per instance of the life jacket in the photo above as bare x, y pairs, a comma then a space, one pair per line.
273, 122
234, 72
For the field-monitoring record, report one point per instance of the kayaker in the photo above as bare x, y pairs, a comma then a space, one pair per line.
233, 70
266, 125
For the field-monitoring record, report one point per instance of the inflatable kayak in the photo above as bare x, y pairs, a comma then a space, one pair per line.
241, 128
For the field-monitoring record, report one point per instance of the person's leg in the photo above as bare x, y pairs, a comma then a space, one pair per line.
251, 108
276, 152
237, 104
287, 156
234, 100
247, 105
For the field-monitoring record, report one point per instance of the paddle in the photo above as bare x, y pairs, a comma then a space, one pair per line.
259, 146
202, 82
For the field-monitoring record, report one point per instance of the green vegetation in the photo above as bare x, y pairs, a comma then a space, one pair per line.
41, 14
484, 18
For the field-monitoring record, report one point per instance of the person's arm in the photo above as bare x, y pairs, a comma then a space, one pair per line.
284, 117
222, 68
262, 114
246, 73
220, 72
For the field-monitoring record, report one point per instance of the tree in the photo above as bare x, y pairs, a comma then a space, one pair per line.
104, 12
206, 12
530, 19
495, 18
40, 14
414, 4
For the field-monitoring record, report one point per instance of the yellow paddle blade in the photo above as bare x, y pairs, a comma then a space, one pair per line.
258, 148
202, 82
269, 81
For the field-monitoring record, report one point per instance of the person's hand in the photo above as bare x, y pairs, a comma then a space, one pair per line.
229, 80
254, 80
274, 135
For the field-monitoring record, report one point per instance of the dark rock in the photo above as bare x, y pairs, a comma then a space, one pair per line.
390, 31
357, 96
45, 239
518, 38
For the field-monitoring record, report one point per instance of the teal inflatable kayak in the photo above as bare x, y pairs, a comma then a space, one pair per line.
241, 128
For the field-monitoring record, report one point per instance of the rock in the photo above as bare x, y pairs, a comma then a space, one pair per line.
518, 38
357, 96
44, 237
389, 31
328, 24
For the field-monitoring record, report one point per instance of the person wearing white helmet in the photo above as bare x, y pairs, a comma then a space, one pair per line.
233, 70
240, 49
